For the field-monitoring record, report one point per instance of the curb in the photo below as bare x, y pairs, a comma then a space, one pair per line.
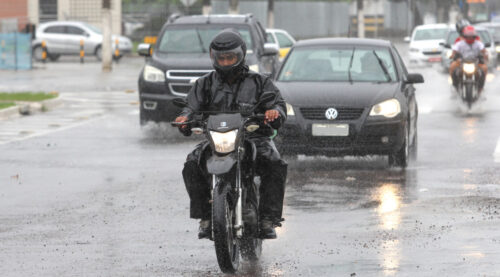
29, 108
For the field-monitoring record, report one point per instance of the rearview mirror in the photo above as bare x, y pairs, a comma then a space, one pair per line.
414, 78
144, 49
179, 102
271, 49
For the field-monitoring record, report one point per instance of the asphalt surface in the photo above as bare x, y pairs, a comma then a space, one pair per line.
84, 191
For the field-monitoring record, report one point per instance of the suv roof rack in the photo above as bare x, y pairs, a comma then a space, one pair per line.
173, 17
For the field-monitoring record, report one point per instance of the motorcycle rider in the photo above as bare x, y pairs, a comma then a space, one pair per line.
469, 46
460, 26
230, 87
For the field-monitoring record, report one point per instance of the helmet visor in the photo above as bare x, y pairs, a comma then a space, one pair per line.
226, 59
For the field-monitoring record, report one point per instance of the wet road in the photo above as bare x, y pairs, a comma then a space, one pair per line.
97, 196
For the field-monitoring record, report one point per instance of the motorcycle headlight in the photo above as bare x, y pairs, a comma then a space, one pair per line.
153, 74
469, 68
389, 108
224, 142
289, 109
254, 68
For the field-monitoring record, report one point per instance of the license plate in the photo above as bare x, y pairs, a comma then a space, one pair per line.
330, 130
435, 59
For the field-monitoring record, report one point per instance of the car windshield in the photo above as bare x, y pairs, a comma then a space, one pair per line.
339, 65
195, 39
483, 35
93, 28
430, 34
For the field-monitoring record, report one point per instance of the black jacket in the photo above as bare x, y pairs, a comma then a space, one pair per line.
211, 93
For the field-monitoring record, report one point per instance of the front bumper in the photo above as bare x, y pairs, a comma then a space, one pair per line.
367, 136
419, 58
156, 103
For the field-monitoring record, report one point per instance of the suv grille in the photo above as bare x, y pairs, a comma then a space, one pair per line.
181, 81
431, 53
344, 113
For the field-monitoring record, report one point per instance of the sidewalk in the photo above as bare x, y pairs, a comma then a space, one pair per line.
28, 108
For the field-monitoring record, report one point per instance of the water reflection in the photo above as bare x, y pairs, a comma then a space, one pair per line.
469, 133
390, 202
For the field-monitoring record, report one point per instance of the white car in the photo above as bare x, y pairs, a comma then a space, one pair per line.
425, 42
282, 38
64, 37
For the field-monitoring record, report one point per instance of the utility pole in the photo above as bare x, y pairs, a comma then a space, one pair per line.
361, 19
106, 54
270, 13
233, 7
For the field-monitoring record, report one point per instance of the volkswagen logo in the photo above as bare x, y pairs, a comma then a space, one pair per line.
331, 113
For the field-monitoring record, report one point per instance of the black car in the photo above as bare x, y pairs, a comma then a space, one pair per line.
181, 56
348, 97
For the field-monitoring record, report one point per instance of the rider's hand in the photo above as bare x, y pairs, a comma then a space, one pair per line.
181, 119
271, 115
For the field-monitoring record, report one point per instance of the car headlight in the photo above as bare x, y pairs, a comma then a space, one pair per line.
254, 68
497, 49
448, 54
389, 108
153, 74
469, 68
413, 50
224, 142
289, 109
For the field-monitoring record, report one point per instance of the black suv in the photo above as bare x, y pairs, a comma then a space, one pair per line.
181, 56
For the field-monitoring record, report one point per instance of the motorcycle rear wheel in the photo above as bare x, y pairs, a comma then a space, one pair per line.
227, 247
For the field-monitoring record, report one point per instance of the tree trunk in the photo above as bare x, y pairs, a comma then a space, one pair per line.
361, 19
233, 7
106, 36
270, 13
207, 7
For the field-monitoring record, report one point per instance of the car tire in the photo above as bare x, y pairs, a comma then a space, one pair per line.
400, 158
37, 53
414, 147
98, 53
142, 118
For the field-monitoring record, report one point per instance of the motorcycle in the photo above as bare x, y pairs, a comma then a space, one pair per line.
231, 162
469, 80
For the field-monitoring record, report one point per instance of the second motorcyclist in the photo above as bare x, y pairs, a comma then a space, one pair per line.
469, 47
227, 89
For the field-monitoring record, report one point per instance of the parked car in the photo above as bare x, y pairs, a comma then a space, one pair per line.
348, 97
494, 28
181, 56
425, 42
485, 37
63, 38
282, 38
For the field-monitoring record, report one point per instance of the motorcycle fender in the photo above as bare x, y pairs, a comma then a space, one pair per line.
220, 165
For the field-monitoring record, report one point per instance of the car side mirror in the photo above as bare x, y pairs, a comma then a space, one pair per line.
144, 49
180, 102
407, 39
487, 45
271, 49
414, 78
444, 44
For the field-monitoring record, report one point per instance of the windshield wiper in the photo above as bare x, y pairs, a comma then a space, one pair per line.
386, 72
350, 65
201, 41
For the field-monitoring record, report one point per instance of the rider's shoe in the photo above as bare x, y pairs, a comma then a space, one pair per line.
205, 231
267, 229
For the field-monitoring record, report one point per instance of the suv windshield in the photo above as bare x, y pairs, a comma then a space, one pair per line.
195, 39
483, 35
430, 34
339, 65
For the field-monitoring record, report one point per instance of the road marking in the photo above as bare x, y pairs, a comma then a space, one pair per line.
496, 154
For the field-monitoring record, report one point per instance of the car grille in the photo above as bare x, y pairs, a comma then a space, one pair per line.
429, 53
181, 81
344, 113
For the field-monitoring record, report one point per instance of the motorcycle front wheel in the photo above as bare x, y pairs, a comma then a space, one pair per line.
227, 247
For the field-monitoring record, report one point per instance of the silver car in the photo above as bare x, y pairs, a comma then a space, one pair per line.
64, 37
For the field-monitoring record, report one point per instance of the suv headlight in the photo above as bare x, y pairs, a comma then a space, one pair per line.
224, 142
153, 74
497, 49
448, 53
289, 109
389, 108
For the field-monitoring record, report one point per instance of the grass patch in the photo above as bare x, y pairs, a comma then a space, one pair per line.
26, 96
6, 105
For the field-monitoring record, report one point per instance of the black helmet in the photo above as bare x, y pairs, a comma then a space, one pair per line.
228, 51
461, 24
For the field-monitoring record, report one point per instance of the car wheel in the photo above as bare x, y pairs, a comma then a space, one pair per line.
37, 53
400, 158
98, 53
